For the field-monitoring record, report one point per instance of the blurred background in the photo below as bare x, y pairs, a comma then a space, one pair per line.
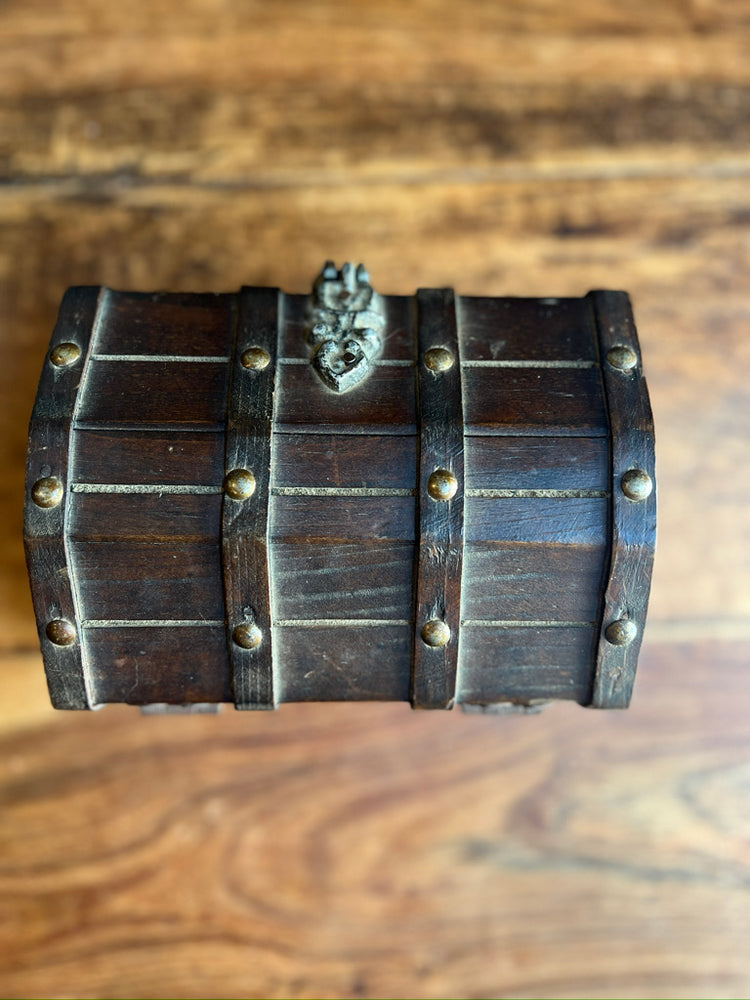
527, 148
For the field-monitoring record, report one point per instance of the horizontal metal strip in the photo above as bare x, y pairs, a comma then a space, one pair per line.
338, 622
340, 491
151, 623
176, 358
571, 494
492, 363
475, 623
145, 488
158, 426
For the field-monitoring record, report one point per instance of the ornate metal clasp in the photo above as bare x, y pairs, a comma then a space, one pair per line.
347, 322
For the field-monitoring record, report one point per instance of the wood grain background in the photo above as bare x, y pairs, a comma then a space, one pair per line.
510, 148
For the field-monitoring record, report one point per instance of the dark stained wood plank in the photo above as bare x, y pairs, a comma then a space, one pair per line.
155, 392
397, 337
158, 323
633, 519
149, 457
519, 581
440, 520
245, 520
45, 527
154, 517
361, 579
352, 663
148, 580
534, 401
332, 460
174, 665
384, 402
559, 520
516, 329
525, 664
330, 520
536, 463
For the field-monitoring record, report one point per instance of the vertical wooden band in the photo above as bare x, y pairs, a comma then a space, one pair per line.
53, 590
633, 521
245, 543
440, 523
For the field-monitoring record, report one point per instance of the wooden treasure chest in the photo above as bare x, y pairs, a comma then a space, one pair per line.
259, 498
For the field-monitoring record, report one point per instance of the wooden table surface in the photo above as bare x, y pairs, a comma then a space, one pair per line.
341, 851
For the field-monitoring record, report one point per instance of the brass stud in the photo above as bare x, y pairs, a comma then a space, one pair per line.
255, 358
239, 484
621, 633
636, 485
442, 485
438, 359
47, 492
436, 633
60, 632
247, 636
63, 355
622, 358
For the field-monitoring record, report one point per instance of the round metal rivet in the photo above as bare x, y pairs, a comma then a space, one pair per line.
63, 355
442, 485
255, 358
239, 484
436, 633
438, 359
621, 633
622, 358
60, 632
47, 492
636, 485
247, 635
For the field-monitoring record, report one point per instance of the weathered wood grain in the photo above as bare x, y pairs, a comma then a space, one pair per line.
148, 579
152, 323
355, 579
341, 461
515, 329
519, 581
533, 401
171, 458
176, 664
129, 393
106, 517
538, 463
525, 664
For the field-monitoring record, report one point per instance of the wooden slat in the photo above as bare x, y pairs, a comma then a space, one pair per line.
557, 401
518, 581
245, 523
541, 463
398, 342
132, 456
567, 521
525, 664
332, 519
352, 663
383, 403
332, 460
158, 323
633, 523
440, 523
155, 392
174, 518
169, 665
147, 580
358, 579
45, 529
516, 329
